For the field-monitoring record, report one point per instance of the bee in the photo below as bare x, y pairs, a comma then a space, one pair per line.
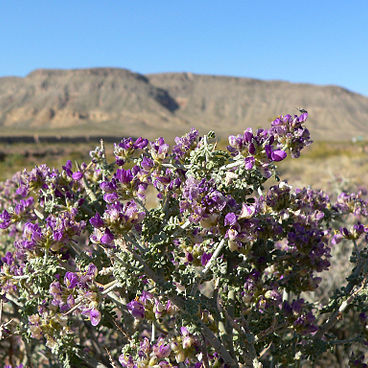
302, 110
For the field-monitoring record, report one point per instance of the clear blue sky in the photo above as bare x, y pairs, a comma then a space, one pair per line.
322, 42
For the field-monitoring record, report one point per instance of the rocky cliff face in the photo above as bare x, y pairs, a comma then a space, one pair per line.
112, 101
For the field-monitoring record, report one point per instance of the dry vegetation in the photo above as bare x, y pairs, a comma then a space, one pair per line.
329, 166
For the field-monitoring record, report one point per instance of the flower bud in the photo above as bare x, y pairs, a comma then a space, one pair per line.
180, 356
152, 362
233, 245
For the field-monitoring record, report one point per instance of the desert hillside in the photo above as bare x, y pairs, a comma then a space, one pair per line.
112, 101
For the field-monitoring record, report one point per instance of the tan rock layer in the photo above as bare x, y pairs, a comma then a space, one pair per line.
116, 101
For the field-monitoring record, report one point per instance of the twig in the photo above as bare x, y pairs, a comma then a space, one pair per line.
208, 265
103, 152
269, 330
135, 243
110, 358
176, 166
216, 343
233, 164
205, 353
330, 322
73, 309
153, 332
141, 204
229, 324
9, 297
115, 299
251, 359
181, 304
109, 287
265, 350
213, 258
250, 356
94, 341
346, 341
121, 330
93, 363
87, 188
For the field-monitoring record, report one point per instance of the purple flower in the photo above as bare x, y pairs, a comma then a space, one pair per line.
230, 219
205, 258
189, 256
68, 168
247, 211
164, 179
92, 270
248, 135
146, 297
110, 197
8, 259
107, 238
268, 150
95, 317
278, 155
124, 176
161, 349
108, 186
159, 149
290, 131
126, 143
127, 362
249, 162
5, 219
96, 221
77, 175
252, 149
184, 331
70, 280
336, 239
146, 163
303, 117
345, 232
136, 309
185, 143
55, 292
22, 190
165, 364
23, 205
141, 143
297, 305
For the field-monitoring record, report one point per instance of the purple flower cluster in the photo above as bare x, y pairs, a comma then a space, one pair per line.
290, 132
78, 291
167, 353
203, 201
127, 148
259, 150
209, 275
159, 149
117, 220
150, 307
184, 144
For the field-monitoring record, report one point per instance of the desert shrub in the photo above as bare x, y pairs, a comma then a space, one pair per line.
218, 272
